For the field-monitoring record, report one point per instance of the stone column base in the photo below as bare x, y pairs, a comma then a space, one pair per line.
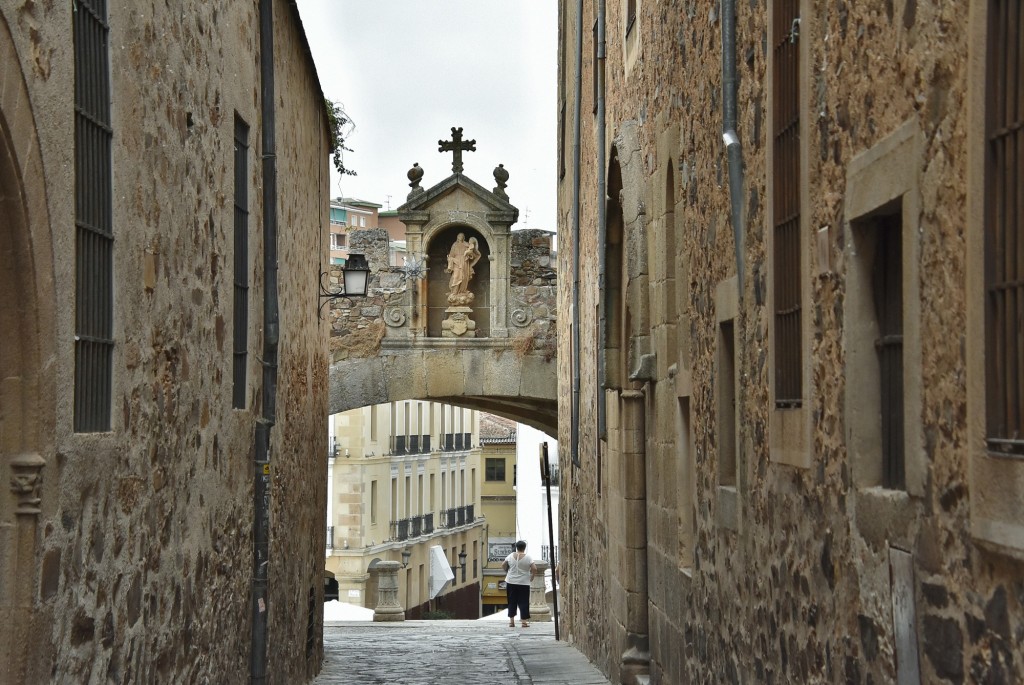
388, 606
539, 610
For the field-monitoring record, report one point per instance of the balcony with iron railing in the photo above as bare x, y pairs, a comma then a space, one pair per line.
456, 442
458, 516
411, 444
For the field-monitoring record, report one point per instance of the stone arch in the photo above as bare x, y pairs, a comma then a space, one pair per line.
615, 303
628, 307
437, 244
484, 375
627, 285
27, 347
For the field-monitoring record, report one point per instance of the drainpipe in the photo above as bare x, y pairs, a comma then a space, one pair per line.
734, 149
271, 334
602, 223
574, 438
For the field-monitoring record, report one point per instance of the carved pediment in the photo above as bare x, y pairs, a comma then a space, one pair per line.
471, 197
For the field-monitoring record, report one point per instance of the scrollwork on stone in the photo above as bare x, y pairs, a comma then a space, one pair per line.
26, 478
394, 317
521, 317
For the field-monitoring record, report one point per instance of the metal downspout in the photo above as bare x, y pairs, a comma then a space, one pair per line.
574, 438
271, 334
602, 224
734, 149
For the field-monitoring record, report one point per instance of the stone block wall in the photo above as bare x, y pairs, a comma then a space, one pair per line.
788, 574
143, 546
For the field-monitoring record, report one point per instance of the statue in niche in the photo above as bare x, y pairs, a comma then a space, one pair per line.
462, 259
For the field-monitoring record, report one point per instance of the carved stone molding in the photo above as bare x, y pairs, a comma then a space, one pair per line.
26, 477
394, 317
521, 317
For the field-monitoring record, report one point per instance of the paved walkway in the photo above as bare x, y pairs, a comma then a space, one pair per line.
451, 653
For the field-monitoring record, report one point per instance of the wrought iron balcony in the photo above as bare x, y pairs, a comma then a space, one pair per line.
428, 524
417, 526
400, 529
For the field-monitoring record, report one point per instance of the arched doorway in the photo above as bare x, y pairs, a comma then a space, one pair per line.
22, 418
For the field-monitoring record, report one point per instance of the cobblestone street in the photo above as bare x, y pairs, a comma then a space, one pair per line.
463, 652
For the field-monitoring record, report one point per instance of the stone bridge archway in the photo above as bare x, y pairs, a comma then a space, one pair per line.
396, 344
487, 375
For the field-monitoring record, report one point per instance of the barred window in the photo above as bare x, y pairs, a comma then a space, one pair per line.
1004, 218
94, 236
887, 290
241, 300
786, 196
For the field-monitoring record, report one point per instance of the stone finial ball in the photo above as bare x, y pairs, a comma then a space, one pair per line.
500, 174
415, 174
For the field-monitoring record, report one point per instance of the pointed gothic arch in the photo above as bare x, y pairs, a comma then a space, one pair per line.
26, 350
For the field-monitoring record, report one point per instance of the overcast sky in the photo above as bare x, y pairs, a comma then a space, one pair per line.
406, 71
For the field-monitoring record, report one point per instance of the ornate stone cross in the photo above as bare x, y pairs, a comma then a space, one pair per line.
456, 146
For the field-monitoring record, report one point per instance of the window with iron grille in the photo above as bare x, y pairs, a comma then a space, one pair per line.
241, 301
94, 232
494, 470
1004, 237
887, 288
786, 196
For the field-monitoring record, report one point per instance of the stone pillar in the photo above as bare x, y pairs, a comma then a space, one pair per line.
16, 608
636, 660
388, 606
539, 610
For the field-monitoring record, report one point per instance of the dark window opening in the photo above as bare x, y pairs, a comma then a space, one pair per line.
94, 233
240, 319
786, 216
887, 291
630, 15
726, 404
494, 470
1004, 218
561, 142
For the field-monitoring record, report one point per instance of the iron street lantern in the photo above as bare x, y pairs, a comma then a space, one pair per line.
406, 553
462, 562
355, 278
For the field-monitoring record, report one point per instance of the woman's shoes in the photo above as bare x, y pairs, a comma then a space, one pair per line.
525, 624
512, 623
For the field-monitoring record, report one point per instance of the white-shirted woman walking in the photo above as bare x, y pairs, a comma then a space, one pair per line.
520, 570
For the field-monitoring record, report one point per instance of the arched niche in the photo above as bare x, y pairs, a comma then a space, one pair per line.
615, 304
438, 247
27, 332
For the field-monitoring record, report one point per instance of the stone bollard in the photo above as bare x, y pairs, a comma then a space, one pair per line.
388, 606
539, 610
